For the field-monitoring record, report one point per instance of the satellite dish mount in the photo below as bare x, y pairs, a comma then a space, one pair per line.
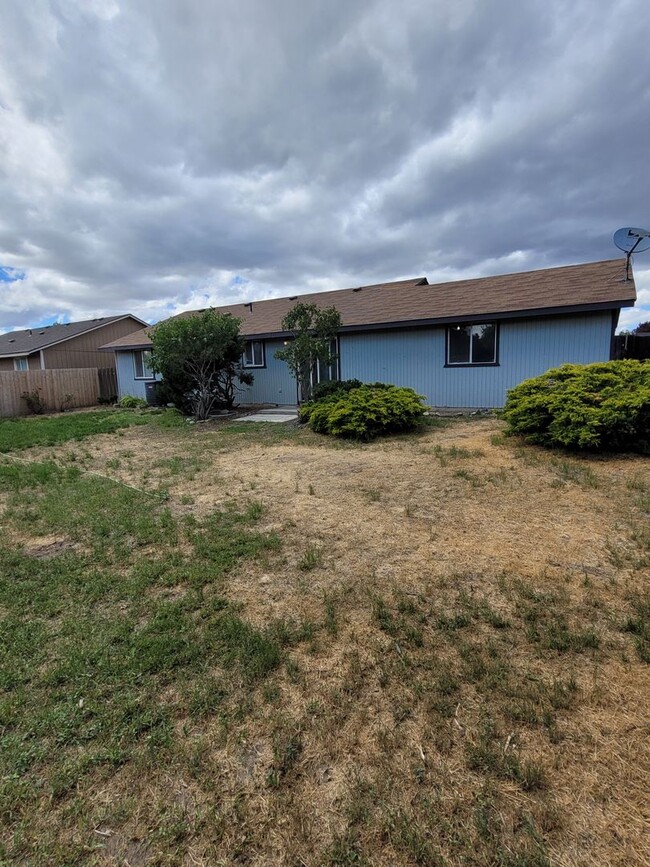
631, 241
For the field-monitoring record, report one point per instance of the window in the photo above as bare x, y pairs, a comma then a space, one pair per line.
21, 364
141, 364
321, 372
254, 353
472, 344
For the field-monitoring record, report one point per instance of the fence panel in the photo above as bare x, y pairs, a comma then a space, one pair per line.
632, 346
107, 383
57, 389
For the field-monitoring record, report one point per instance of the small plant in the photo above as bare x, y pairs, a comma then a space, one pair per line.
638, 625
311, 559
66, 403
34, 401
129, 401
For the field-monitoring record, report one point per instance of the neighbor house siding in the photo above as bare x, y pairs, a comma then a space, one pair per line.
273, 383
416, 357
82, 351
34, 361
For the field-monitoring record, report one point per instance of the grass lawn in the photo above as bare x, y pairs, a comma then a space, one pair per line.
247, 644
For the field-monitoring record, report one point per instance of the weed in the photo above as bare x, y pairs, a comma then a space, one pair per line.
578, 472
488, 755
287, 747
344, 851
331, 616
473, 479
311, 559
638, 625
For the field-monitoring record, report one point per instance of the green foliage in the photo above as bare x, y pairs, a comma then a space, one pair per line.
596, 407
365, 412
312, 331
334, 386
199, 358
129, 401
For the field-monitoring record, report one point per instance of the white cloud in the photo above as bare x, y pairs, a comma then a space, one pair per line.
163, 155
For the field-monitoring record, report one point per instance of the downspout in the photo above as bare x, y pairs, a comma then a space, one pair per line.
612, 340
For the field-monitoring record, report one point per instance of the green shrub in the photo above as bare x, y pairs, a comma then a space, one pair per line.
598, 407
129, 401
365, 412
334, 386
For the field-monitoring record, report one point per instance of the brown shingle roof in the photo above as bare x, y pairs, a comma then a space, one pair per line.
32, 339
594, 285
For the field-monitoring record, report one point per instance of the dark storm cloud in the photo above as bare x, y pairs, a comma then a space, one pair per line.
171, 153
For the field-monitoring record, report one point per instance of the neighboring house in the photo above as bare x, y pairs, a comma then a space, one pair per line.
461, 344
68, 345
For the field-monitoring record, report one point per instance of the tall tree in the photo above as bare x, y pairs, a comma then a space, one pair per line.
199, 357
312, 331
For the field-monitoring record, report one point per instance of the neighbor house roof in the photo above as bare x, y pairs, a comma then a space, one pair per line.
572, 288
32, 339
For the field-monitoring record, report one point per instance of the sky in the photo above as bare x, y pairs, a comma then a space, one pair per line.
164, 155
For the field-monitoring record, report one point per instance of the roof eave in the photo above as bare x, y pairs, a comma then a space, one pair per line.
469, 317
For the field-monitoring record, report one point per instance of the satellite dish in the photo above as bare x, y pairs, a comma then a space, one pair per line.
631, 241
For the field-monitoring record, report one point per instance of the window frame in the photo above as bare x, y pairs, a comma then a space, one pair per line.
18, 362
262, 344
471, 363
140, 353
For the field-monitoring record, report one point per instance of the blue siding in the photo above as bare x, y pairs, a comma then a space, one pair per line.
273, 383
416, 357
126, 381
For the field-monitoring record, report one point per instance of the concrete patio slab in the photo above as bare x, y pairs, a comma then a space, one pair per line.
276, 414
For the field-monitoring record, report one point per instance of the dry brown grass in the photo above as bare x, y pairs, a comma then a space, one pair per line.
468, 695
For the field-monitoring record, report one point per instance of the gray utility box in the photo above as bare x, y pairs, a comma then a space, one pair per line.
151, 393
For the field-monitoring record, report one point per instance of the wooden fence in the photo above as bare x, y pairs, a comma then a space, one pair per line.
632, 346
107, 383
56, 389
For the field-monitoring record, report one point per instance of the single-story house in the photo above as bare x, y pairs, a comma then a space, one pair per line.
461, 344
65, 345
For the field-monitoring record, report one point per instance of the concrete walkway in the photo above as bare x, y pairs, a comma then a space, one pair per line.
275, 414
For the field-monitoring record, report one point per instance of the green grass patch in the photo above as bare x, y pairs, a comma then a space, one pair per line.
103, 648
23, 433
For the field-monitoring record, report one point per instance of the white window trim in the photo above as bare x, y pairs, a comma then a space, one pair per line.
141, 352
470, 363
21, 369
263, 363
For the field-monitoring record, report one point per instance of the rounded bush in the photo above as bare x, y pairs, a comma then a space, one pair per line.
334, 386
596, 407
366, 412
